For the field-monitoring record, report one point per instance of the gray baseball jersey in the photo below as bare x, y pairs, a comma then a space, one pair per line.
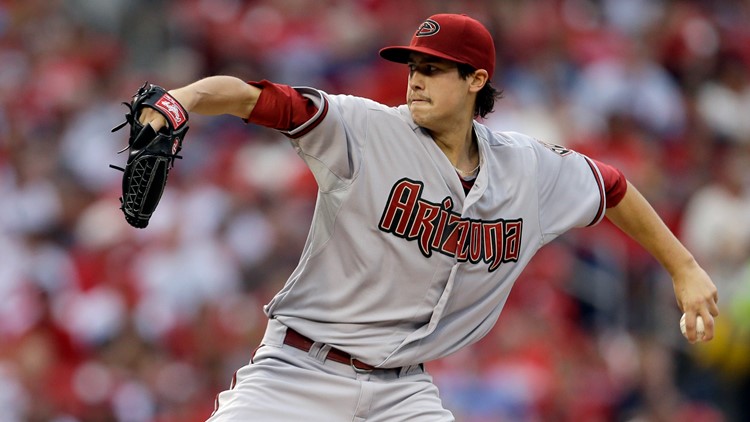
400, 265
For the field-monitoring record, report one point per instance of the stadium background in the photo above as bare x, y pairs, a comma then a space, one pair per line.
101, 322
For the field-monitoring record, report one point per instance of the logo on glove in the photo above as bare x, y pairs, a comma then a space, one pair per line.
172, 109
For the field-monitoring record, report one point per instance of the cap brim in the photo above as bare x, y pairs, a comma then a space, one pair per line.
400, 54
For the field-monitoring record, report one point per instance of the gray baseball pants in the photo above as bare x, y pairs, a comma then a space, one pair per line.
285, 384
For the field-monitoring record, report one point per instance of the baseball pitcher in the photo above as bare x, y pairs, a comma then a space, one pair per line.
424, 220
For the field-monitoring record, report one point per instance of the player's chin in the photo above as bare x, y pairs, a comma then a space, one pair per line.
420, 121
419, 114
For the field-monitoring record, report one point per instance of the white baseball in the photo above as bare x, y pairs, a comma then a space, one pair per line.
699, 327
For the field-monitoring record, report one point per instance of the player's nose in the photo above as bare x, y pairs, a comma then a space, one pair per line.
416, 81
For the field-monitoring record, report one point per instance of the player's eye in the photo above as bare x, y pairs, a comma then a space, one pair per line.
424, 69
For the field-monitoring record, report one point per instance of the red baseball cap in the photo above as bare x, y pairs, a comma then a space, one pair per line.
458, 38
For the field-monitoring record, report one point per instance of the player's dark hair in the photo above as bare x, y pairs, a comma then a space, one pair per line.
487, 95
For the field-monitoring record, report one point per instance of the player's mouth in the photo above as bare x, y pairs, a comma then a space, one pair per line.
419, 101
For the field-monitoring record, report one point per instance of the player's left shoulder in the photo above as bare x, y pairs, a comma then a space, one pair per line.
501, 139
524, 145
558, 149
540, 146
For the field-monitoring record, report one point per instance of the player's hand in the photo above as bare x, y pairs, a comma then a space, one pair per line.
157, 120
152, 117
697, 295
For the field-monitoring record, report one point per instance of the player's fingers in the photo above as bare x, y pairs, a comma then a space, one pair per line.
152, 117
158, 123
708, 326
146, 114
691, 326
715, 304
713, 309
708, 313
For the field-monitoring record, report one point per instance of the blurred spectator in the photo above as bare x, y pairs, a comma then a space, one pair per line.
630, 83
716, 225
100, 322
724, 101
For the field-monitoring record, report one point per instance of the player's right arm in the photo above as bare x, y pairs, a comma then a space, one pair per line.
213, 95
694, 290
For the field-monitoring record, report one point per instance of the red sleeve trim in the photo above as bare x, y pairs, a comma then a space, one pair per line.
312, 125
281, 107
615, 184
602, 194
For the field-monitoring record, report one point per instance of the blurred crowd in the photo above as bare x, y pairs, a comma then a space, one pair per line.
103, 322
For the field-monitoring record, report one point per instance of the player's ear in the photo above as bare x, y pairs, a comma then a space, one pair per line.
478, 80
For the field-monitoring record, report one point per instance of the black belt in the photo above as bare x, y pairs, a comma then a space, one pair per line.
298, 341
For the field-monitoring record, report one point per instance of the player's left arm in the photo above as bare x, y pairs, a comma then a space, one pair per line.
264, 103
694, 290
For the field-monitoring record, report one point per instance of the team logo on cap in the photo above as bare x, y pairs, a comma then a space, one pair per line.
428, 27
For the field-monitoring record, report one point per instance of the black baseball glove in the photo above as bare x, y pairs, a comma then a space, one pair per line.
151, 154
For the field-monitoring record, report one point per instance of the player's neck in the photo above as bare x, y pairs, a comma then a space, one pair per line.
460, 146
